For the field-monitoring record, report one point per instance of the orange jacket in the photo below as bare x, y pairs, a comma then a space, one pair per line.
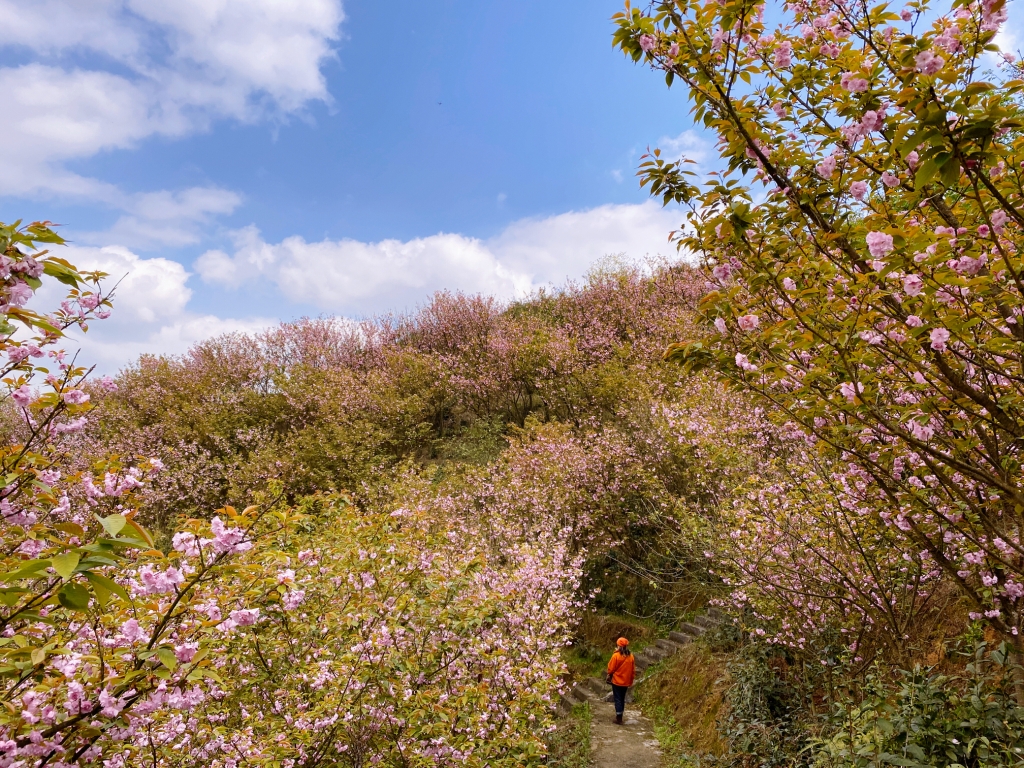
622, 669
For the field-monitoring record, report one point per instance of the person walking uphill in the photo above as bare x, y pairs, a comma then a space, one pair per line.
621, 671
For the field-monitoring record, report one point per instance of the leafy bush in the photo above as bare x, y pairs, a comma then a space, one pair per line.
765, 724
931, 719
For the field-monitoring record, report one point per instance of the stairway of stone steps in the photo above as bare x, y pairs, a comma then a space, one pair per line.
595, 689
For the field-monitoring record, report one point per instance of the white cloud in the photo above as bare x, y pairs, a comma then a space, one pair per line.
170, 218
155, 68
347, 275
688, 144
550, 250
352, 276
150, 312
111, 351
148, 290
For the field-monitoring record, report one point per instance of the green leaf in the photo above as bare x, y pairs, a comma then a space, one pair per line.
74, 596
926, 172
74, 529
143, 534
167, 658
113, 524
979, 87
65, 564
30, 569
102, 583
11, 595
61, 272
951, 173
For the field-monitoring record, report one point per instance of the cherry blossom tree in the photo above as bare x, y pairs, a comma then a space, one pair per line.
865, 239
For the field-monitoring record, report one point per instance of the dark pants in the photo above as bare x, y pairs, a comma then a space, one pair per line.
619, 692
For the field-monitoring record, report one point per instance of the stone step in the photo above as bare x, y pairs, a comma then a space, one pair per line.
692, 629
667, 645
583, 693
644, 660
707, 622
655, 653
597, 686
718, 614
680, 638
566, 702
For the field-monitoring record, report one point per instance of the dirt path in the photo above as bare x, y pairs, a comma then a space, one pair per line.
630, 745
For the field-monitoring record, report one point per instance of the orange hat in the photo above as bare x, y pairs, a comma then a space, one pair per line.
623, 642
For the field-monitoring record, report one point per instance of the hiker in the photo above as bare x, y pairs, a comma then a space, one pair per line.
621, 670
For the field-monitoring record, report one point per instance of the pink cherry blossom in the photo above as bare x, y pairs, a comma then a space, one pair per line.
748, 322
879, 244
245, 617
850, 390
784, 55
744, 362
293, 599
76, 397
939, 337
913, 285
22, 395
928, 63
850, 82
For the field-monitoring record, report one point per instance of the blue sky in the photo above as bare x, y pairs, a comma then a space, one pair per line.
242, 162
245, 161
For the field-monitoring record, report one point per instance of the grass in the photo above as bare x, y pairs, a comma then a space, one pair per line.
569, 743
682, 697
